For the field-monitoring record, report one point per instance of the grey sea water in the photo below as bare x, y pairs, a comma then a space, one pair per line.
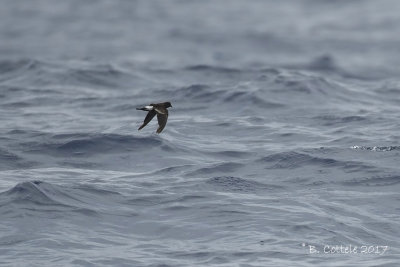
283, 139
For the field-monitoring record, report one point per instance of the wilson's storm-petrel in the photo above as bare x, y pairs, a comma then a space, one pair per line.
160, 110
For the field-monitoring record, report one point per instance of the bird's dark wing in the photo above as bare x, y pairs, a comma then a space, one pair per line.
150, 115
162, 121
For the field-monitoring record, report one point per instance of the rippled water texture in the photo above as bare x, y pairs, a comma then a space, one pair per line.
283, 136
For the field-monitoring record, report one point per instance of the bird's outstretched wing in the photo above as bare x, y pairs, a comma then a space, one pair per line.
150, 115
162, 121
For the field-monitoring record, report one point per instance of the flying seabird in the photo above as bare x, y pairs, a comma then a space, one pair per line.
162, 114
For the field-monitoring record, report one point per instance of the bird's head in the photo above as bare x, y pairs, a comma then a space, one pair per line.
167, 105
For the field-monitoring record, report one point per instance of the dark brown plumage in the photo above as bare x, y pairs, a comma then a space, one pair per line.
160, 110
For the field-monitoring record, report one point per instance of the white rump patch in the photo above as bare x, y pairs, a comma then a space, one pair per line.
148, 107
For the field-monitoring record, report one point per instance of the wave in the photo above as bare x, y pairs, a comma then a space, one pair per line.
269, 92
8, 156
82, 144
311, 86
389, 88
324, 63
10, 69
230, 153
9, 66
199, 94
376, 148
86, 150
264, 89
101, 75
28, 73
224, 167
39, 74
9, 160
329, 120
211, 68
237, 184
38, 196
388, 180
293, 160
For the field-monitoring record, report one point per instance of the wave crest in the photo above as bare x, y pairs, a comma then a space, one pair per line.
35, 196
88, 144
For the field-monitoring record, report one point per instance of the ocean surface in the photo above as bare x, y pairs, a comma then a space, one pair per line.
281, 149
